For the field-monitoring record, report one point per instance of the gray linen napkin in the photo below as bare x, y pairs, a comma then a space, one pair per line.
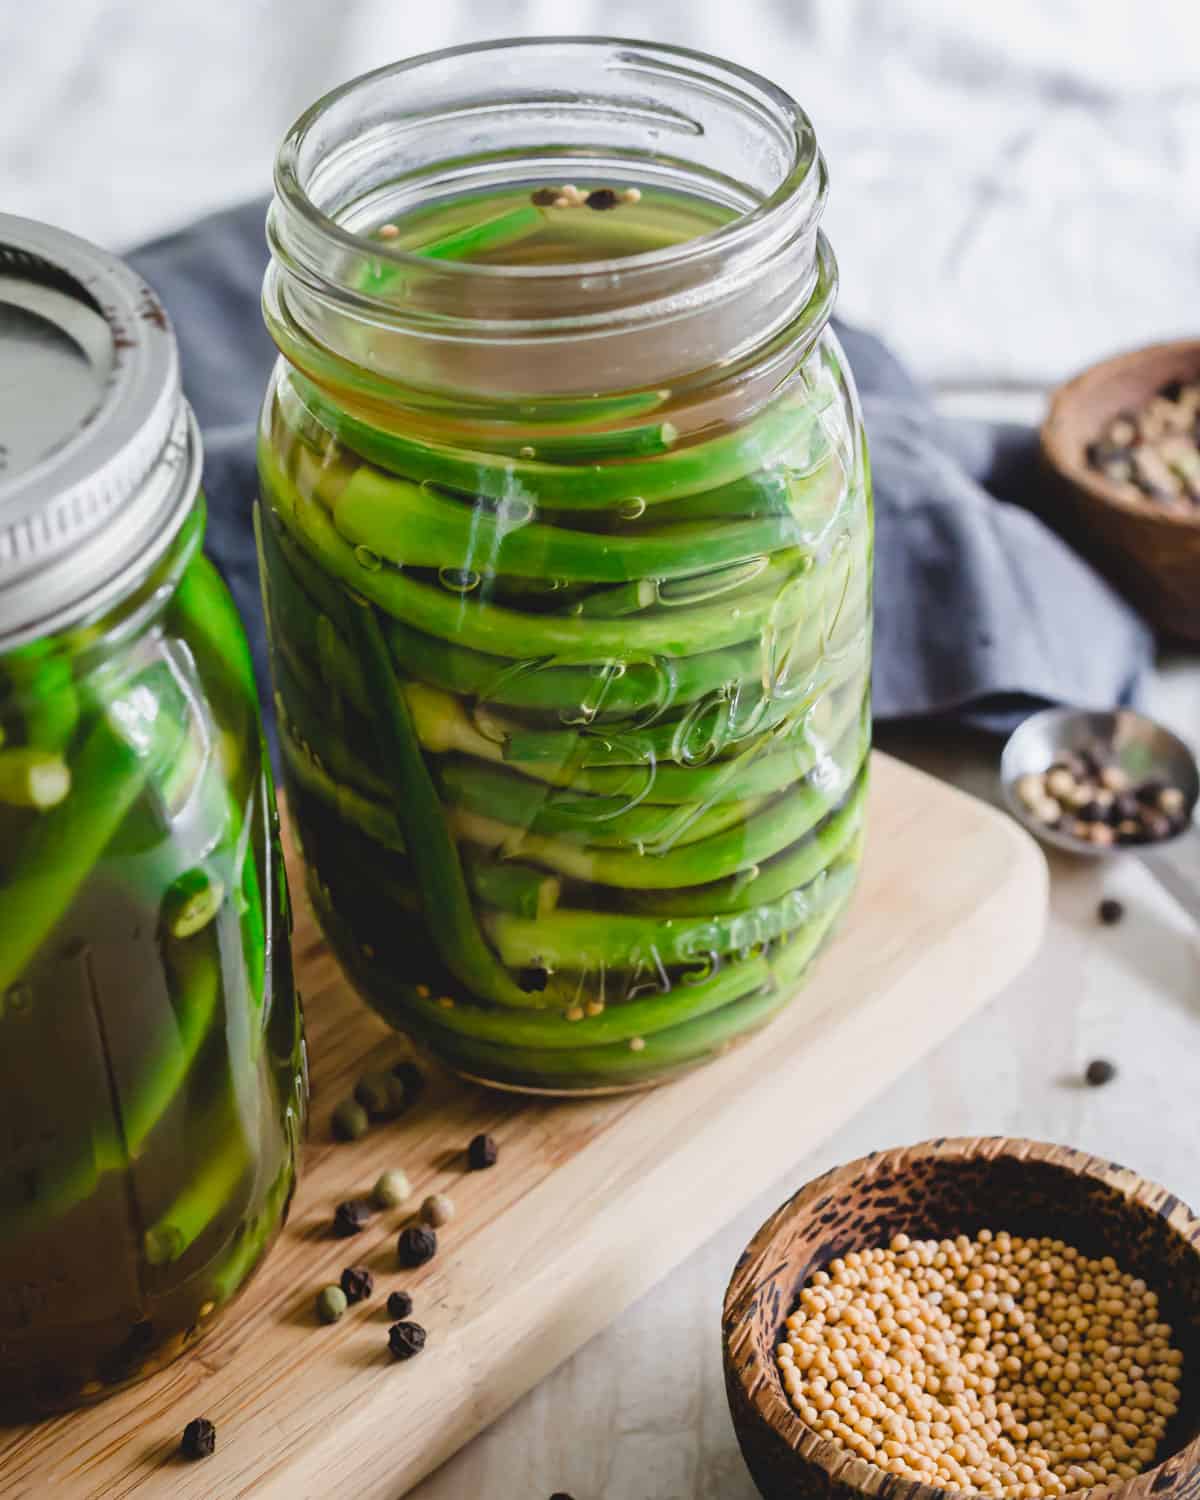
982, 612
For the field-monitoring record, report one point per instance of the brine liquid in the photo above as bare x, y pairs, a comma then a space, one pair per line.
151, 1090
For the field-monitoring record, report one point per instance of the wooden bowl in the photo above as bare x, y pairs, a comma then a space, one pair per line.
1149, 551
942, 1189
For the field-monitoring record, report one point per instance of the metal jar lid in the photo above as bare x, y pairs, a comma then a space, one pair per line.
99, 452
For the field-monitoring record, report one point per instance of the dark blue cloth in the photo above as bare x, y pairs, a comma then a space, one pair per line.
982, 612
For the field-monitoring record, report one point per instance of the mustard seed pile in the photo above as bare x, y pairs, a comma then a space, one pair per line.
1013, 1367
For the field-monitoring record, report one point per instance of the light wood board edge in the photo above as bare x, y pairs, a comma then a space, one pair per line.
953, 903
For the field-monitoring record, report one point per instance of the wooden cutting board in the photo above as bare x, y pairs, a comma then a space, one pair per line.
592, 1202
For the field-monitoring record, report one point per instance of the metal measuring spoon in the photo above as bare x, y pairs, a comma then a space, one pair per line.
1145, 751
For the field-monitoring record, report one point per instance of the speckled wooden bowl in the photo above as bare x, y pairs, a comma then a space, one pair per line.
939, 1190
1150, 551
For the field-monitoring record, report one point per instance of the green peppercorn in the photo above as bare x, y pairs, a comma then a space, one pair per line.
331, 1304
350, 1121
392, 1189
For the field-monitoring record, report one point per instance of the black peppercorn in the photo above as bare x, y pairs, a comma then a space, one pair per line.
350, 1217
399, 1304
1100, 1072
533, 981
405, 1340
602, 198
375, 1092
416, 1245
1126, 807
482, 1152
357, 1283
410, 1077
1110, 911
199, 1439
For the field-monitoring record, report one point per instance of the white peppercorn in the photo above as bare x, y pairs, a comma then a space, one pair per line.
437, 1210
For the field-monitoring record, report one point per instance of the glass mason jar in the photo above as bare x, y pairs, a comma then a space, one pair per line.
152, 1090
566, 538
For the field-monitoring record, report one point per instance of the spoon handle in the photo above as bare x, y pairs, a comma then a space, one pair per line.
1176, 867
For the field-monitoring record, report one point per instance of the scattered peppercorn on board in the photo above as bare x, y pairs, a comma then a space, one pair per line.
590, 1203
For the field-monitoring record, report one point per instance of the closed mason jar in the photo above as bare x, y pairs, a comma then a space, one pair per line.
152, 1081
566, 541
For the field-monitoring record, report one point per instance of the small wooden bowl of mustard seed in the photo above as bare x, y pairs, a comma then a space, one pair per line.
1123, 440
991, 1317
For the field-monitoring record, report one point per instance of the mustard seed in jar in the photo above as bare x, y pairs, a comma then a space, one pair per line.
1012, 1367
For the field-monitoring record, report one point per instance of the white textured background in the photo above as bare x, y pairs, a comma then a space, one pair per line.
1016, 188
1016, 183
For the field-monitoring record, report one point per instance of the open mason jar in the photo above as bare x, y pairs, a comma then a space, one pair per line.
152, 1088
566, 539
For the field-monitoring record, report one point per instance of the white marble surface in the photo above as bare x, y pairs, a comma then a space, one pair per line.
640, 1414
1016, 186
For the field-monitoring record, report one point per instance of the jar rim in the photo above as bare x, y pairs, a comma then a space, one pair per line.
805, 165
104, 483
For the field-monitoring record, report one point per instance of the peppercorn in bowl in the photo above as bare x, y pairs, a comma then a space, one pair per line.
1123, 440
993, 1317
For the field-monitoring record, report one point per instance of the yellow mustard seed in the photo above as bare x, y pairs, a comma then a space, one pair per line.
1017, 1368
